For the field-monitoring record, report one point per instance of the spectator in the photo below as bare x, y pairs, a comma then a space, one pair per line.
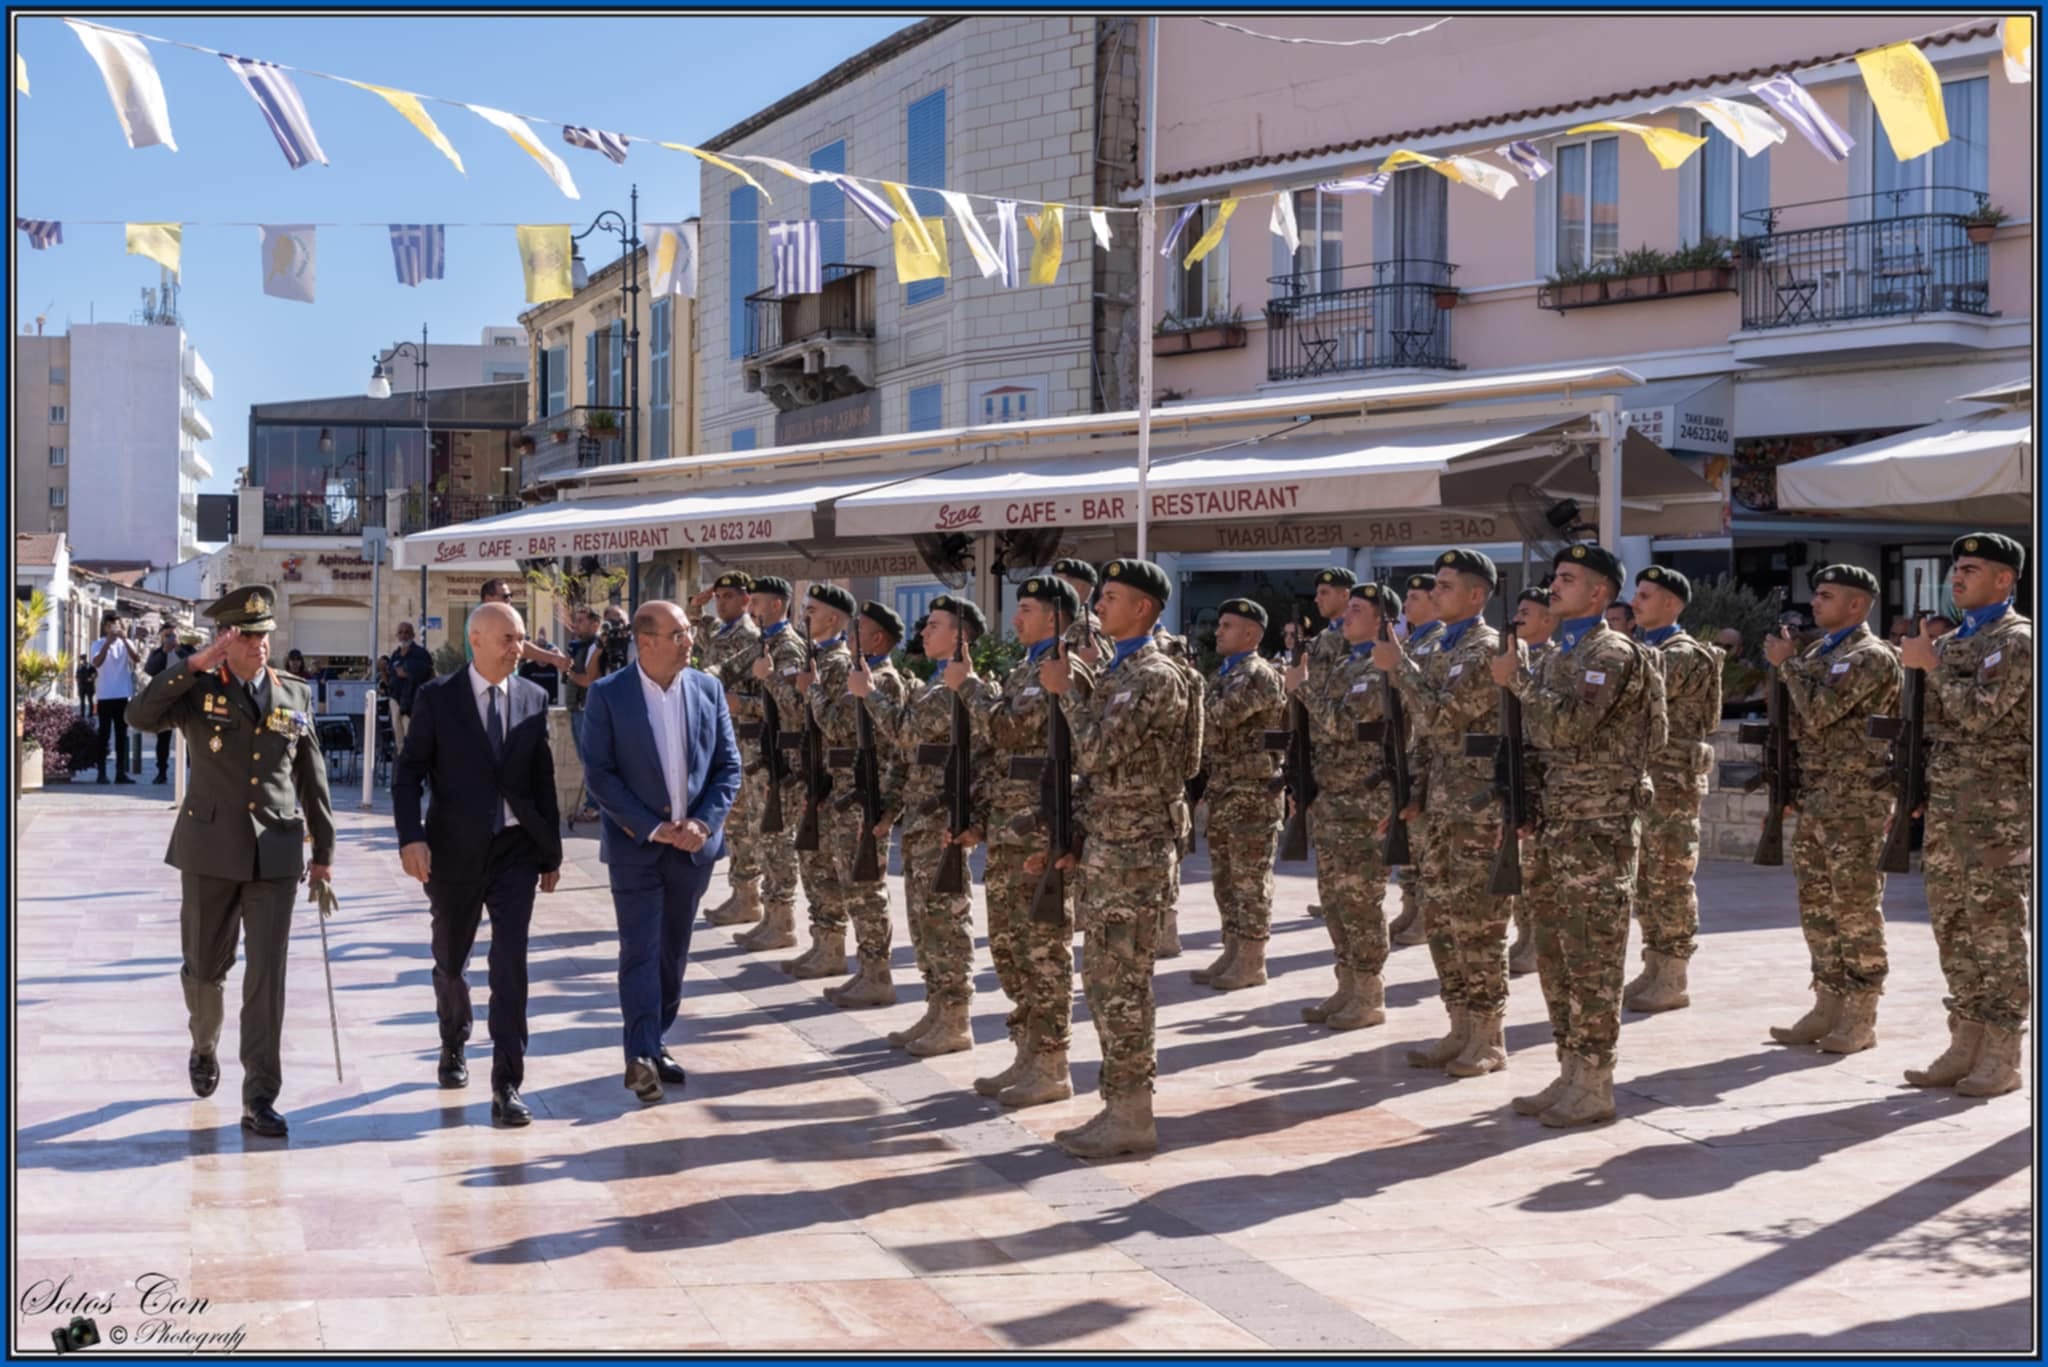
169, 650
295, 663
115, 659
585, 667
1902, 627
540, 665
1622, 618
87, 677
411, 666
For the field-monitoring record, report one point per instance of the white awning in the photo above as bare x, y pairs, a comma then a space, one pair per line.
1976, 470
2011, 391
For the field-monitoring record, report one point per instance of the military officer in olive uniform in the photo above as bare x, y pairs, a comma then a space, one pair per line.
258, 787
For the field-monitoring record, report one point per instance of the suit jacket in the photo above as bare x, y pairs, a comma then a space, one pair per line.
259, 783
446, 747
622, 767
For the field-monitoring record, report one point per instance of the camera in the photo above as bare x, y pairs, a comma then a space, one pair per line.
613, 642
80, 1333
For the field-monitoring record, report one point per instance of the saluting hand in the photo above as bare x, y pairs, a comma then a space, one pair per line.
1917, 651
214, 654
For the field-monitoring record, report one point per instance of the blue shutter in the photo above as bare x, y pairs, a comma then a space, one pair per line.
743, 439
590, 369
925, 164
926, 408
743, 263
617, 342
828, 204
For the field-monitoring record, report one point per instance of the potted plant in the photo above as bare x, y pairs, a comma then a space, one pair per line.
1981, 223
1446, 297
1705, 265
1176, 335
1578, 287
1638, 274
600, 420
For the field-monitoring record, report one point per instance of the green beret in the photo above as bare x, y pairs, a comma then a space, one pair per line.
1380, 596
1537, 595
885, 618
1056, 592
734, 579
1469, 562
1848, 576
1244, 607
769, 583
963, 610
245, 609
1596, 558
1071, 568
2000, 550
1670, 580
832, 596
1142, 575
1337, 575
1424, 582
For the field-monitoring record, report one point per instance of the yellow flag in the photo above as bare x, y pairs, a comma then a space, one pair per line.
408, 105
1208, 240
21, 73
544, 254
160, 242
1049, 233
920, 249
2019, 52
1396, 160
722, 164
1669, 146
1907, 93
908, 217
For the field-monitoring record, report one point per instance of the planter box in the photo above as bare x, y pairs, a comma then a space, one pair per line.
1446, 300
1700, 281
1580, 293
1222, 337
1980, 233
31, 769
1636, 286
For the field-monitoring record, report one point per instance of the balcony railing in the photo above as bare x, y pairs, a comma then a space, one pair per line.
419, 513
341, 514
844, 308
1383, 315
1894, 259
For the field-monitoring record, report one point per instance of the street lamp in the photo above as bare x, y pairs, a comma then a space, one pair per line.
627, 230
380, 388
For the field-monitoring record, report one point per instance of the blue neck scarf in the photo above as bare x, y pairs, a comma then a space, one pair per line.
1570, 633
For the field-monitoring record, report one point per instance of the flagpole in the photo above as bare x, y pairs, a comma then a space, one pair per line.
1146, 229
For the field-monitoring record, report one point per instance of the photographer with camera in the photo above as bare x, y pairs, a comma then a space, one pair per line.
586, 664
167, 653
116, 659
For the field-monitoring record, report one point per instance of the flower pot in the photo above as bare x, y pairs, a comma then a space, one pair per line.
31, 768
1636, 287
1447, 300
1980, 233
1580, 293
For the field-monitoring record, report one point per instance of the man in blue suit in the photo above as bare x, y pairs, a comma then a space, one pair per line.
662, 765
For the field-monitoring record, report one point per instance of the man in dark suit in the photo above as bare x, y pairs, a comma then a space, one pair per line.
662, 765
492, 834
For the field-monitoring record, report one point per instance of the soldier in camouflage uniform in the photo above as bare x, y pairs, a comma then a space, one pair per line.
872, 682
783, 649
722, 639
1034, 958
1133, 730
1595, 708
1979, 842
1327, 648
1411, 927
1451, 693
1533, 628
1836, 685
1181, 655
1667, 905
1240, 705
1353, 801
1084, 634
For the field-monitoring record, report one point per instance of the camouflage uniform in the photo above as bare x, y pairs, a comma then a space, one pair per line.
1130, 740
1353, 797
1979, 842
1084, 634
1419, 646
1245, 810
1667, 904
1845, 805
1175, 648
939, 922
776, 852
1596, 713
1535, 902
721, 644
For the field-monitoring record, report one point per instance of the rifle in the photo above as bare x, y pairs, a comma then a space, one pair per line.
867, 788
951, 877
1908, 761
1510, 786
771, 759
1298, 770
1779, 774
1054, 772
1392, 735
817, 779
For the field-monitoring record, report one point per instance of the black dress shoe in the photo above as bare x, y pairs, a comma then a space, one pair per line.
123, 778
669, 1071
204, 1069
508, 1109
454, 1072
259, 1117
642, 1081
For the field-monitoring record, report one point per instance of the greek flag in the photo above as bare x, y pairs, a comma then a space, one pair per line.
419, 251
1798, 108
597, 140
867, 201
282, 108
1368, 185
42, 232
1006, 245
1526, 159
795, 248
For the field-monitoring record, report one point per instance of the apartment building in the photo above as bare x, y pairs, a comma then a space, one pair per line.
500, 355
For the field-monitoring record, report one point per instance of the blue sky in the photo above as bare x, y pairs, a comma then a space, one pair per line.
680, 79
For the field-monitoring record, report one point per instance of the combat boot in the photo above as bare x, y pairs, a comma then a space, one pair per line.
1589, 1102
1248, 969
1447, 1048
870, 985
1043, 1081
1222, 964
1964, 1039
826, 957
1855, 1025
1815, 1023
1321, 1011
1997, 1070
948, 1034
899, 1038
1486, 1047
1401, 923
1315, 909
1522, 957
777, 929
1665, 990
743, 907
1539, 1102
1169, 934
1087, 1129
1416, 932
1636, 986
1027, 1047
1366, 1006
1126, 1128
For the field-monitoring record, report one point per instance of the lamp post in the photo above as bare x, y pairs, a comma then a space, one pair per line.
380, 388
627, 230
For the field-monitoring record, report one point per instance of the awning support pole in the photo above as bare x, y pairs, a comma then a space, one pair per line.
1607, 419
987, 594
1147, 229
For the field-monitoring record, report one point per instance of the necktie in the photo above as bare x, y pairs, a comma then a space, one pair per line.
494, 731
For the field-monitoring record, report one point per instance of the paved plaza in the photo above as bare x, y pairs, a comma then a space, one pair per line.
814, 1190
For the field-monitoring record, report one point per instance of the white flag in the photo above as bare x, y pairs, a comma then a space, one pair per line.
793, 172
1796, 106
132, 84
1282, 223
1745, 125
1481, 176
1008, 250
530, 143
288, 261
1099, 221
675, 259
978, 246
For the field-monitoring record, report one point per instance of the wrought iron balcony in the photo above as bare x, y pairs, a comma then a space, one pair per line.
340, 513
1384, 315
844, 308
419, 511
330, 514
1896, 257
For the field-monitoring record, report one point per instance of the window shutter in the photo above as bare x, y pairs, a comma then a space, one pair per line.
743, 263
927, 408
925, 164
828, 203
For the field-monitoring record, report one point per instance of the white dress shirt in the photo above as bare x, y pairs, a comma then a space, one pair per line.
665, 714
480, 688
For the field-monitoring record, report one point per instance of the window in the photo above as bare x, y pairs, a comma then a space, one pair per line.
554, 380
1316, 266
59, 455
1731, 185
59, 375
1955, 173
1588, 203
499, 375
743, 267
925, 164
662, 325
927, 405
828, 203
57, 412
57, 496
1203, 289
743, 439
